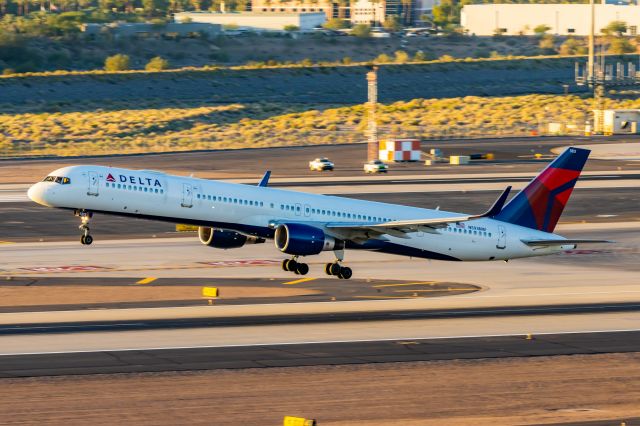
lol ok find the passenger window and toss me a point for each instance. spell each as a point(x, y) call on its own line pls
point(146, 190)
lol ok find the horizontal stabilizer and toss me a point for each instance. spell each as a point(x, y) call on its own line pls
point(550, 243)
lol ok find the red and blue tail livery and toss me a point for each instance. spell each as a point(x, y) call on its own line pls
point(540, 204)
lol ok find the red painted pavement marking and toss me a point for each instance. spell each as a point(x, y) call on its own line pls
point(247, 262)
point(64, 268)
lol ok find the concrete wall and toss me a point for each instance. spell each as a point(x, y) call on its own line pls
point(257, 21)
point(484, 19)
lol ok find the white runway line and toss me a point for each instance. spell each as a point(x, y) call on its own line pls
point(317, 333)
point(13, 197)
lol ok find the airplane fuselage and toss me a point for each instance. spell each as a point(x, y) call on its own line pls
point(254, 210)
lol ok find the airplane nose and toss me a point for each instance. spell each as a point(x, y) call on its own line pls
point(37, 193)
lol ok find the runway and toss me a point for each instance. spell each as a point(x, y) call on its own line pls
point(139, 360)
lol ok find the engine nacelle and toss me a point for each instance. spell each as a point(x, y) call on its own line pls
point(303, 240)
point(223, 239)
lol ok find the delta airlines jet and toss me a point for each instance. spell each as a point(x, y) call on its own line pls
point(231, 215)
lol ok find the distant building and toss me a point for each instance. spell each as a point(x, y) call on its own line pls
point(367, 12)
point(563, 19)
point(329, 8)
point(375, 12)
point(265, 21)
point(143, 29)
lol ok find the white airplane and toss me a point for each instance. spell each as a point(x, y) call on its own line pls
point(231, 215)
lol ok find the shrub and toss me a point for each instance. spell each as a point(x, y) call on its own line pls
point(291, 28)
point(157, 64)
point(401, 57)
point(541, 29)
point(336, 24)
point(382, 58)
point(361, 30)
point(117, 62)
point(621, 45)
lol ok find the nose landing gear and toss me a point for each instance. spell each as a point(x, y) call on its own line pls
point(85, 217)
point(292, 265)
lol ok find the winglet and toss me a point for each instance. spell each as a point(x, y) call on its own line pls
point(265, 179)
point(499, 204)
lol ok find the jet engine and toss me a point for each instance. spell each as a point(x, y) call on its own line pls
point(303, 240)
point(223, 239)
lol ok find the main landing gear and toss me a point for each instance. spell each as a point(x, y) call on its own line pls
point(335, 268)
point(85, 217)
point(342, 272)
point(292, 265)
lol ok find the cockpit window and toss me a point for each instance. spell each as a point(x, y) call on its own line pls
point(58, 179)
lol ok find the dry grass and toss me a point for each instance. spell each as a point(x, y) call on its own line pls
point(152, 129)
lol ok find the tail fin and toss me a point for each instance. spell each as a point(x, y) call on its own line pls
point(541, 203)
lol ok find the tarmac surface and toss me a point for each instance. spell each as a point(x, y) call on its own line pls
point(511, 155)
point(584, 301)
point(314, 354)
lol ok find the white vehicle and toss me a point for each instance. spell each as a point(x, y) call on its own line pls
point(376, 166)
point(321, 164)
point(300, 224)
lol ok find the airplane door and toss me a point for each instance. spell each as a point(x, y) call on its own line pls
point(298, 209)
point(187, 195)
point(502, 237)
point(94, 181)
point(307, 210)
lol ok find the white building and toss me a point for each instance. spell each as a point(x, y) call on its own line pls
point(367, 12)
point(563, 19)
point(256, 20)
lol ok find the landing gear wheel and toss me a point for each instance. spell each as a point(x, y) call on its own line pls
point(335, 269)
point(302, 268)
point(86, 239)
point(345, 273)
point(291, 265)
point(327, 268)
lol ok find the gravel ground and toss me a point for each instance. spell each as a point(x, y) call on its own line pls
point(342, 85)
point(473, 392)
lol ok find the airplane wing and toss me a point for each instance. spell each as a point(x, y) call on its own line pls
point(550, 243)
point(399, 228)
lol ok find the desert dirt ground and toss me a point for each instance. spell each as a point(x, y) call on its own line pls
point(505, 391)
point(80, 294)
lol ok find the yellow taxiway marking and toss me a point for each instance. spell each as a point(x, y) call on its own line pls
point(406, 284)
point(435, 289)
point(7, 242)
point(147, 280)
point(300, 281)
